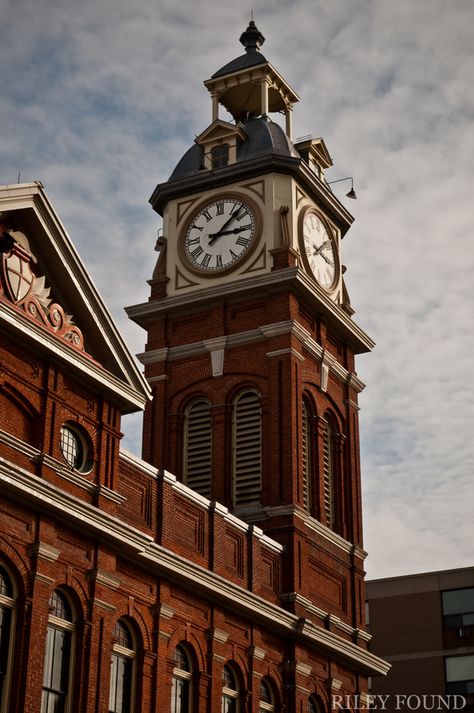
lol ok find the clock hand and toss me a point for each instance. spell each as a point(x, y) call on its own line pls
point(213, 236)
point(317, 251)
point(220, 232)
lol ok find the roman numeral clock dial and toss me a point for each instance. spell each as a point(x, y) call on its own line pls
point(319, 250)
point(219, 236)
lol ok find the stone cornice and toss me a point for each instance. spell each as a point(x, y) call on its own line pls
point(266, 331)
point(290, 278)
point(140, 546)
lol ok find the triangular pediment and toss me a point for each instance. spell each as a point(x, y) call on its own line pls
point(220, 130)
point(47, 296)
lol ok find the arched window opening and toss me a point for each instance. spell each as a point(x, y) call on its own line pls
point(314, 706)
point(181, 691)
point(122, 669)
point(7, 611)
point(329, 475)
point(267, 697)
point(220, 156)
point(247, 449)
point(307, 453)
point(197, 460)
point(230, 691)
point(57, 672)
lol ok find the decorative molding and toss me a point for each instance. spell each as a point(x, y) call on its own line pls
point(255, 652)
point(43, 578)
point(165, 611)
point(335, 684)
point(106, 579)
point(110, 494)
point(216, 634)
point(43, 551)
point(303, 668)
point(257, 187)
point(156, 379)
point(104, 605)
point(216, 347)
point(265, 331)
point(181, 281)
point(259, 262)
point(285, 352)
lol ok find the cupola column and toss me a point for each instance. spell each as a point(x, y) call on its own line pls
point(215, 107)
point(264, 96)
point(289, 121)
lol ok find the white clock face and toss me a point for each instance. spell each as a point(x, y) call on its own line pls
point(219, 235)
point(320, 250)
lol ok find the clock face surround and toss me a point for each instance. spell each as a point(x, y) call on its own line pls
point(221, 234)
point(319, 249)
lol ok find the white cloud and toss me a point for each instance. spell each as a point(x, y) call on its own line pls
point(102, 98)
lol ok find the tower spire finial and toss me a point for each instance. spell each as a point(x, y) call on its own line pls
point(252, 38)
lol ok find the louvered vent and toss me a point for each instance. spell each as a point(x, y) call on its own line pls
point(328, 476)
point(247, 437)
point(306, 448)
point(198, 447)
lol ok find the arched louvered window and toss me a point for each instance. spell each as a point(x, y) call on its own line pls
point(197, 458)
point(247, 449)
point(306, 446)
point(7, 611)
point(329, 475)
point(58, 657)
point(122, 670)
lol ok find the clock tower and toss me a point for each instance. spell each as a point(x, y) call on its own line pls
point(251, 343)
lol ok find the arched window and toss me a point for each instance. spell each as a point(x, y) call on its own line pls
point(7, 610)
point(267, 697)
point(220, 156)
point(329, 475)
point(307, 454)
point(181, 690)
point(230, 691)
point(197, 456)
point(122, 669)
point(57, 673)
point(314, 705)
point(247, 449)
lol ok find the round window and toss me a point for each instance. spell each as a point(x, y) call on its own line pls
point(75, 449)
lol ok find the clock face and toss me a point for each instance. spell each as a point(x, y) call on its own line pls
point(320, 250)
point(219, 235)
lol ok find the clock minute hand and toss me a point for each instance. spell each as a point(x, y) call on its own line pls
point(318, 251)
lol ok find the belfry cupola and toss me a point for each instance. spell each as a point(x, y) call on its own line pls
point(249, 87)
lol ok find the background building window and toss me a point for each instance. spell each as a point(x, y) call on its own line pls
point(58, 656)
point(458, 608)
point(460, 675)
point(122, 670)
point(230, 691)
point(197, 460)
point(7, 605)
point(247, 449)
point(181, 693)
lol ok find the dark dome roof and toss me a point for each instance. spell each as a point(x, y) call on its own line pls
point(264, 138)
point(243, 62)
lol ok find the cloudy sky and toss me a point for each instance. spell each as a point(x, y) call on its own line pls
point(100, 98)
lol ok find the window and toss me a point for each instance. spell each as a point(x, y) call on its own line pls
point(122, 670)
point(247, 456)
point(181, 693)
point(460, 675)
point(198, 447)
point(230, 691)
point(329, 475)
point(307, 456)
point(220, 156)
point(314, 705)
point(58, 656)
point(7, 608)
point(267, 698)
point(75, 448)
point(458, 608)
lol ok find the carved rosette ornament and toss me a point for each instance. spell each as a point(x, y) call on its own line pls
point(21, 285)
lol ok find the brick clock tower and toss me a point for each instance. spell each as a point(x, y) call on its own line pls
point(224, 570)
point(250, 356)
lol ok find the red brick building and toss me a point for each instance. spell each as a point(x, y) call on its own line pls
point(224, 572)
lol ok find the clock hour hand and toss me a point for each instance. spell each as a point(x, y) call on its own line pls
point(318, 251)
